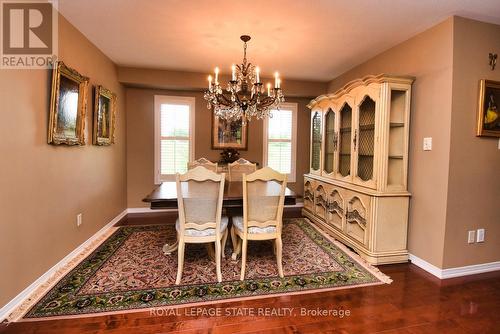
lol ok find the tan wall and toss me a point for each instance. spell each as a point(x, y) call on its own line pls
point(140, 139)
point(428, 57)
point(44, 187)
point(192, 81)
point(474, 182)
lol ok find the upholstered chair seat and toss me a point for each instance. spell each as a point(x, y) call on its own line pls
point(192, 232)
point(238, 223)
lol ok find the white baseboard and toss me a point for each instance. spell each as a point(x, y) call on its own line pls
point(21, 297)
point(148, 210)
point(454, 272)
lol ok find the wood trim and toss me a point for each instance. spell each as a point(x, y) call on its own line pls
point(454, 272)
point(361, 189)
point(381, 78)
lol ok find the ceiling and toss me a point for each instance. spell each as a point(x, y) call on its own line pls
point(302, 39)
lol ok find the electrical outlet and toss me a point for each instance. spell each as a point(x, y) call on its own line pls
point(480, 235)
point(472, 237)
point(79, 220)
point(428, 144)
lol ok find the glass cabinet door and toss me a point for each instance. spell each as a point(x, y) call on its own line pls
point(344, 141)
point(364, 139)
point(330, 142)
point(316, 141)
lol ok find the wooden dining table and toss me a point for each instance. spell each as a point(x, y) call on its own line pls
point(165, 197)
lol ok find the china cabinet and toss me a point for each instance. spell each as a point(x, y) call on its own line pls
point(356, 189)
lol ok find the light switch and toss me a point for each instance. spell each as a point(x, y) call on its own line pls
point(480, 235)
point(428, 144)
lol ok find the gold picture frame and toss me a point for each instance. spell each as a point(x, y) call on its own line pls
point(229, 134)
point(104, 116)
point(68, 105)
point(488, 114)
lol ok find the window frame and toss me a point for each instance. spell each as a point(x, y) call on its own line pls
point(168, 99)
point(293, 171)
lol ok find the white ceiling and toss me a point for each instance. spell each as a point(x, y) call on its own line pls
point(302, 39)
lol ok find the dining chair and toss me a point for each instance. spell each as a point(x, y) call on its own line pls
point(203, 162)
point(240, 167)
point(263, 200)
point(199, 199)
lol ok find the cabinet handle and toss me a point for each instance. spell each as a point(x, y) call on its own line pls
point(355, 138)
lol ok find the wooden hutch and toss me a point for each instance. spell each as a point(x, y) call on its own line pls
point(356, 189)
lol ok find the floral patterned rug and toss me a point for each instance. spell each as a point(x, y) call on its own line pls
point(129, 271)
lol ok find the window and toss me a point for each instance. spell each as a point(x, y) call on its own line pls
point(280, 140)
point(174, 135)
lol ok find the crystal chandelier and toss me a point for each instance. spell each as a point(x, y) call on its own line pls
point(244, 97)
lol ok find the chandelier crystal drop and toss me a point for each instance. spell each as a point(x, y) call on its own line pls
point(245, 96)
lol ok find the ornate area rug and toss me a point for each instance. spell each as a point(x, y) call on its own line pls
point(129, 271)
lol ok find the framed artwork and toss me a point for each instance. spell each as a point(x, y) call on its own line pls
point(488, 115)
point(68, 104)
point(229, 134)
point(104, 116)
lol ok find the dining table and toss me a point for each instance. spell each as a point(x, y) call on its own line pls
point(164, 196)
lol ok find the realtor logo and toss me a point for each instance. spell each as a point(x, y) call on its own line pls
point(29, 34)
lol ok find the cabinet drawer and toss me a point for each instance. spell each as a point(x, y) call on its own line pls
point(309, 194)
point(357, 216)
point(320, 200)
point(336, 208)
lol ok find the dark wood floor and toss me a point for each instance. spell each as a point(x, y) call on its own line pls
point(416, 302)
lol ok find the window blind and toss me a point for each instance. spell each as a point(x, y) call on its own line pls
point(174, 138)
point(279, 141)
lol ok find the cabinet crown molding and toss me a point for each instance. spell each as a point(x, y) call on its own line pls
point(365, 81)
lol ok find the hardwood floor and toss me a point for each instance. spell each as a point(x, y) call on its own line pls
point(416, 302)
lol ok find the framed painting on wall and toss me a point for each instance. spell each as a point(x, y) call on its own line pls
point(488, 114)
point(68, 104)
point(104, 116)
point(229, 134)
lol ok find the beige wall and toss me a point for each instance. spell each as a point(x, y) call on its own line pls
point(192, 81)
point(428, 57)
point(44, 187)
point(140, 139)
point(474, 182)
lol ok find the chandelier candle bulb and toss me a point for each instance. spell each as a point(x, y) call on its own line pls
point(268, 89)
point(209, 82)
point(257, 75)
point(233, 73)
point(276, 78)
point(216, 75)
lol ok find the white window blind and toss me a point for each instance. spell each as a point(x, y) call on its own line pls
point(174, 118)
point(279, 142)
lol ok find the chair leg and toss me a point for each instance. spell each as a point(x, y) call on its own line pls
point(243, 259)
point(180, 264)
point(279, 255)
point(224, 240)
point(218, 260)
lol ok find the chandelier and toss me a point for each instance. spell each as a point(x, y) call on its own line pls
point(244, 97)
